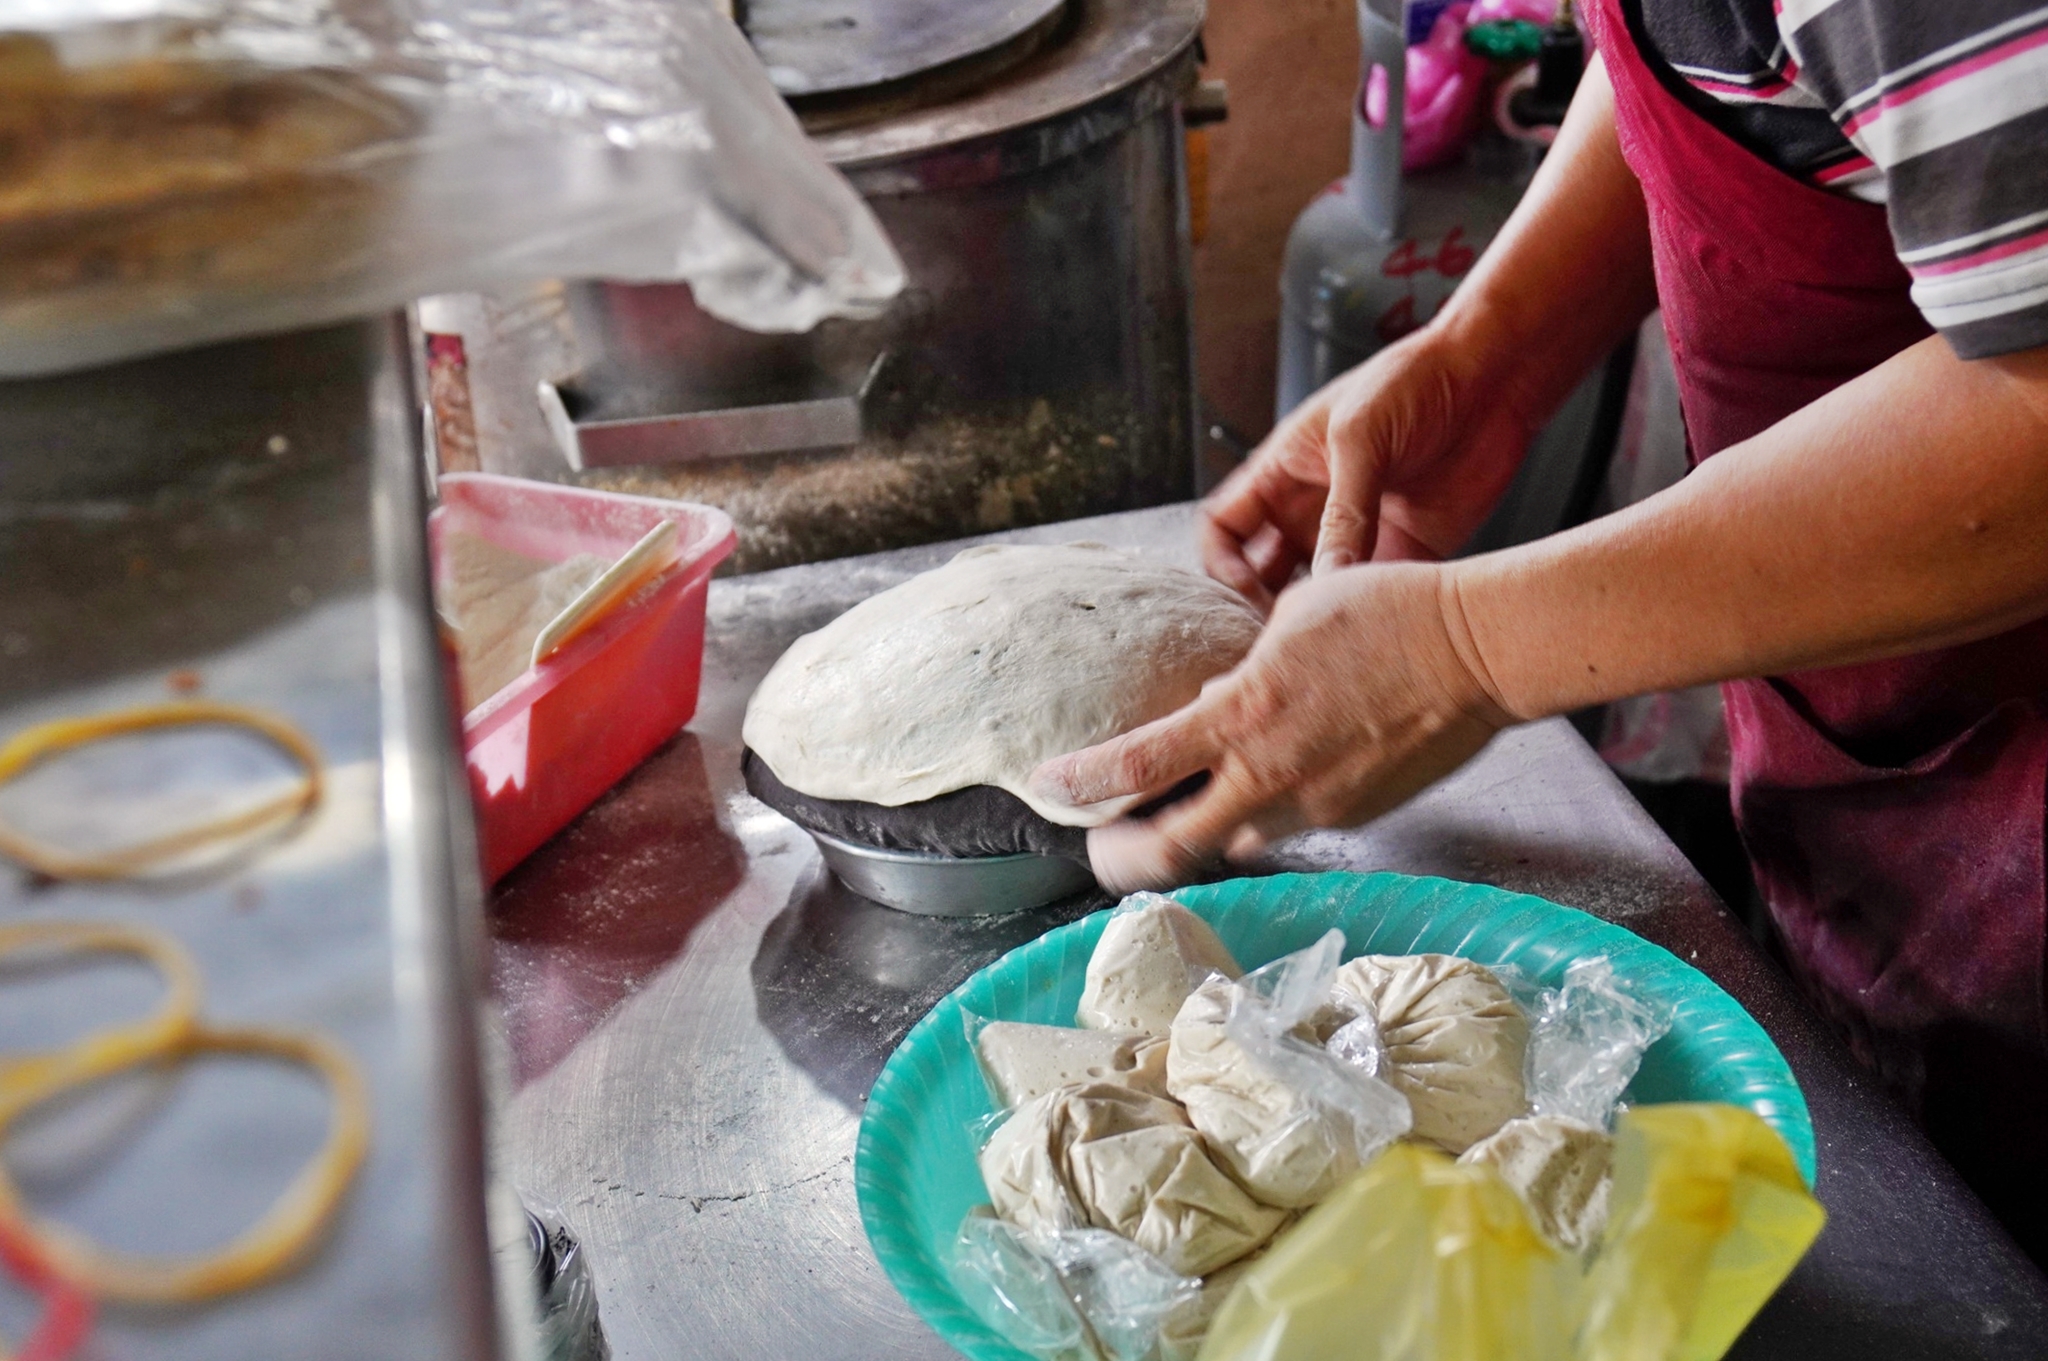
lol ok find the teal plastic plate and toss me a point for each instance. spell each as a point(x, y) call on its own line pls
point(915, 1171)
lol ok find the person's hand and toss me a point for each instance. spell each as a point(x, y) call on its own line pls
point(1402, 457)
point(1362, 690)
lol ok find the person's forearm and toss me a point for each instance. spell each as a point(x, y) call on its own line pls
point(1568, 276)
point(1906, 510)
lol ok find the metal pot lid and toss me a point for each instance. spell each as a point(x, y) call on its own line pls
point(816, 47)
point(1114, 62)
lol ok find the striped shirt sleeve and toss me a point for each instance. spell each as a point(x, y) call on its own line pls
point(1944, 105)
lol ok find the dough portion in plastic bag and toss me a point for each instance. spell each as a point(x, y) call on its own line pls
point(1282, 1146)
point(1454, 1039)
point(1560, 1168)
point(1106, 1157)
point(1152, 954)
point(1023, 1062)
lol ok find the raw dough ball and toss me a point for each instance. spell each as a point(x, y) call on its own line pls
point(1023, 1062)
point(1286, 1150)
point(1106, 1157)
point(1455, 1042)
point(1561, 1169)
point(1145, 965)
point(976, 673)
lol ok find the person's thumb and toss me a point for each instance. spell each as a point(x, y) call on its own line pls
point(1351, 515)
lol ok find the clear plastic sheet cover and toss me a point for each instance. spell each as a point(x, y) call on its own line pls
point(1345, 1094)
point(1586, 1040)
point(189, 172)
point(1065, 1296)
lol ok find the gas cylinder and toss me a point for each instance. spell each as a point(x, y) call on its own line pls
point(1374, 256)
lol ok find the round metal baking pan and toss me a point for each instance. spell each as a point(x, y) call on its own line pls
point(945, 886)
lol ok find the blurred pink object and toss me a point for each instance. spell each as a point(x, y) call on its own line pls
point(1445, 81)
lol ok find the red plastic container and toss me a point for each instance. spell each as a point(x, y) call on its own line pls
point(542, 749)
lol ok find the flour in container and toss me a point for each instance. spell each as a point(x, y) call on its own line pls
point(498, 602)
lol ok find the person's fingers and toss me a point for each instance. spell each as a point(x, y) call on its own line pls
point(1274, 558)
point(1245, 844)
point(1168, 849)
point(1147, 760)
point(1350, 520)
point(1124, 858)
point(1224, 558)
point(1395, 544)
point(1237, 508)
point(1283, 480)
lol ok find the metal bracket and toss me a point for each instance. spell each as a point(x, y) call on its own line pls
point(694, 436)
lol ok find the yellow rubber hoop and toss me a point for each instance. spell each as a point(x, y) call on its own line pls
point(33, 745)
point(24, 1077)
point(270, 1245)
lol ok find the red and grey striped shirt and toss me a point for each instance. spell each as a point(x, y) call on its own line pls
point(1936, 108)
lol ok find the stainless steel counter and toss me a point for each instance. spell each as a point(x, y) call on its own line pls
point(246, 521)
point(696, 1012)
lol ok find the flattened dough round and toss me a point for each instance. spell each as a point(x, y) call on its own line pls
point(975, 673)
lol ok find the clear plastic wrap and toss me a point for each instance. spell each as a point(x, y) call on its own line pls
point(183, 171)
point(1586, 1040)
point(1359, 1043)
point(538, 1247)
point(1073, 1295)
point(1272, 1007)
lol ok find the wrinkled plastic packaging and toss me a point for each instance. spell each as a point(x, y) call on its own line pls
point(1423, 1259)
point(1416, 1257)
point(1586, 1041)
point(1346, 1098)
point(186, 171)
point(563, 1295)
point(1073, 1295)
point(1709, 1216)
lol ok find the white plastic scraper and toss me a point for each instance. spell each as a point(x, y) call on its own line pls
point(654, 554)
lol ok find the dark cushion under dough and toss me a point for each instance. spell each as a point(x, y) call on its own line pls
point(980, 820)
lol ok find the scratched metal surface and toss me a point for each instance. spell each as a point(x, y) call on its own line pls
point(245, 519)
point(696, 1012)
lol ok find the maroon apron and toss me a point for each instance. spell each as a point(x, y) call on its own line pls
point(1893, 811)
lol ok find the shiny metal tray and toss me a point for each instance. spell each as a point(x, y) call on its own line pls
point(945, 886)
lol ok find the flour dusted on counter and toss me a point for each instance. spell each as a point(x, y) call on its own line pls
point(499, 601)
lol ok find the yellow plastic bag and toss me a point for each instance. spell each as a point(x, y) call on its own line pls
point(1413, 1259)
point(1418, 1258)
point(1709, 1217)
